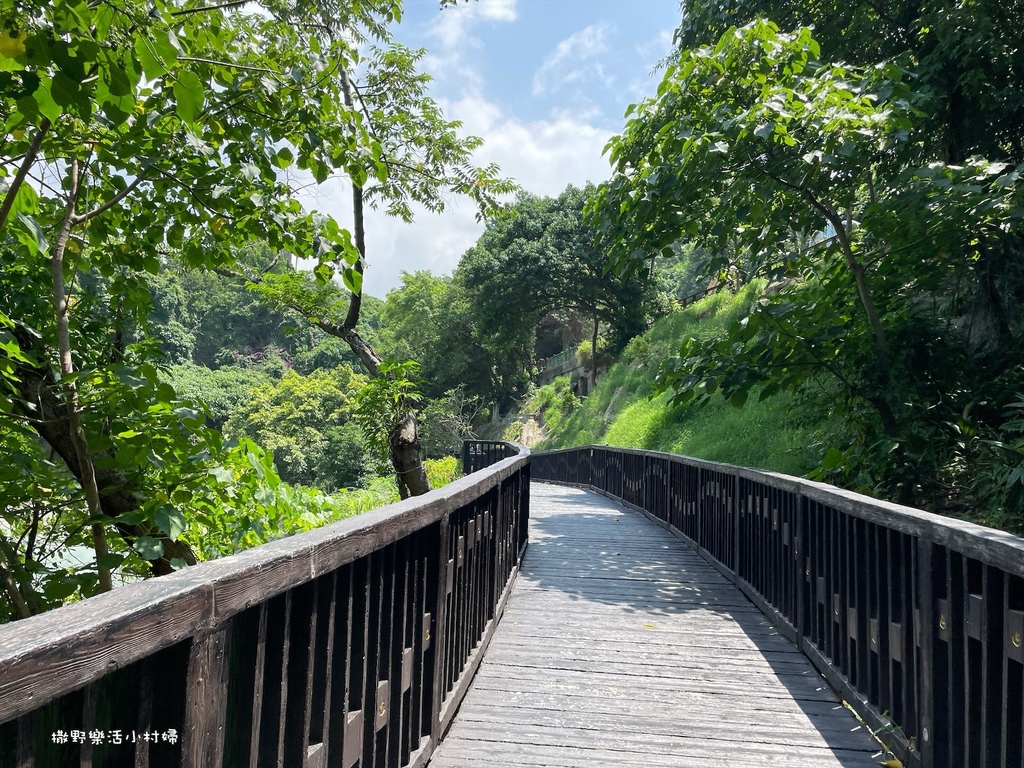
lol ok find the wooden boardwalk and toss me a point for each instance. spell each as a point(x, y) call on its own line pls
point(621, 647)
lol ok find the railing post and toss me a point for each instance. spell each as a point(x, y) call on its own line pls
point(440, 630)
point(736, 527)
point(799, 568)
point(698, 524)
point(207, 700)
point(925, 678)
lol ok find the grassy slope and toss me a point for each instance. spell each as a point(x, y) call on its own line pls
point(768, 434)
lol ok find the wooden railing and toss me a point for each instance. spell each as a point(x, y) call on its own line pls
point(479, 454)
point(916, 619)
point(693, 298)
point(350, 645)
point(556, 360)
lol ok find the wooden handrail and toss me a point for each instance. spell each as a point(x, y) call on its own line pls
point(480, 454)
point(917, 619)
point(348, 645)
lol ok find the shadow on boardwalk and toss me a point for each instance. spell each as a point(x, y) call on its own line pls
point(620, 646)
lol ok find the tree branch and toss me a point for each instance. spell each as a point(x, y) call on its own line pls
point(84, 217)
point(208, 8)
point(243, 67)
point(67, 369)
point(26, 165)
point(9, 562)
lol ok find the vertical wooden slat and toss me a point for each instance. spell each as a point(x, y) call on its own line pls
point(378, 682)
point(340, 667)
point(297, 681)
point(203, 745)
point(88, 723)
point(25, 757)
point(274, 697)
point(320, 700)
point(259, 681)
point(993, 690)
point(144, 717)
point(801, 567)
point(371, 654)
point(925, 624)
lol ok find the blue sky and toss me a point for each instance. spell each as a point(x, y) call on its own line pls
point(545, 84)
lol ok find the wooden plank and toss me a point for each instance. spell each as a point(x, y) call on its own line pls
point(203, 737)
point(636, 749)
point(710, 725)
point(613, 652)
point(604, 700)
point(466, 753)
point(145, 715)
point(259, 683)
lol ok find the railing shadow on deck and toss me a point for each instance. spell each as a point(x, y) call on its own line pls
point(351, 645)
point(915, 618)
point(669, 580)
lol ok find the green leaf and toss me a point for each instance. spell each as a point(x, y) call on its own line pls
point(170, 520)
point(353, 280)
point(284, 158)
point(833, 458)
point(266, 496)
point(149, 548)
point(110, 561)
point(32, 235)
point(222, 474)
point(189, 95)
point(149, 58)
point(68, 93)
point(323, 273)
point(60, 588)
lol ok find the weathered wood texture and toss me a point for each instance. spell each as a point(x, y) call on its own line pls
point(915, 618)
point(346, 646)
point(620, 646)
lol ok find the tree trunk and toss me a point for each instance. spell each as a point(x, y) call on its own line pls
point(593, 357)
point(404, 449)
point(403, 439)
point(41, 406)
point(87, 475)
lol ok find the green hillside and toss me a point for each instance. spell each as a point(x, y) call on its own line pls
point(770, 434)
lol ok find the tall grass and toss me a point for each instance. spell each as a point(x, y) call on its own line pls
point(380, 491)
point(623, 411)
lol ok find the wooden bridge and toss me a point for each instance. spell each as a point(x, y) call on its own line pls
point(701, 615)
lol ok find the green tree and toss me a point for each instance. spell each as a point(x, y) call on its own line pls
point(756, 143)
point(223, 390)
point(306, 421)
point(147, 131)
point(417, 157)
point(540, 257)
point(968, 73)
point(429, 319)
point(211, 320)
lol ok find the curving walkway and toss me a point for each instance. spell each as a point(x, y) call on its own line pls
point(621, 647)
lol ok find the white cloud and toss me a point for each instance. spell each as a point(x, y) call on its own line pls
point(453, 31)
point(572, 60)
point(653, 50)
point(543, 156)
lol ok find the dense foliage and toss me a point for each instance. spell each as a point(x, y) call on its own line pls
point(859, 188)
point(173, 388)
point(149, 213)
